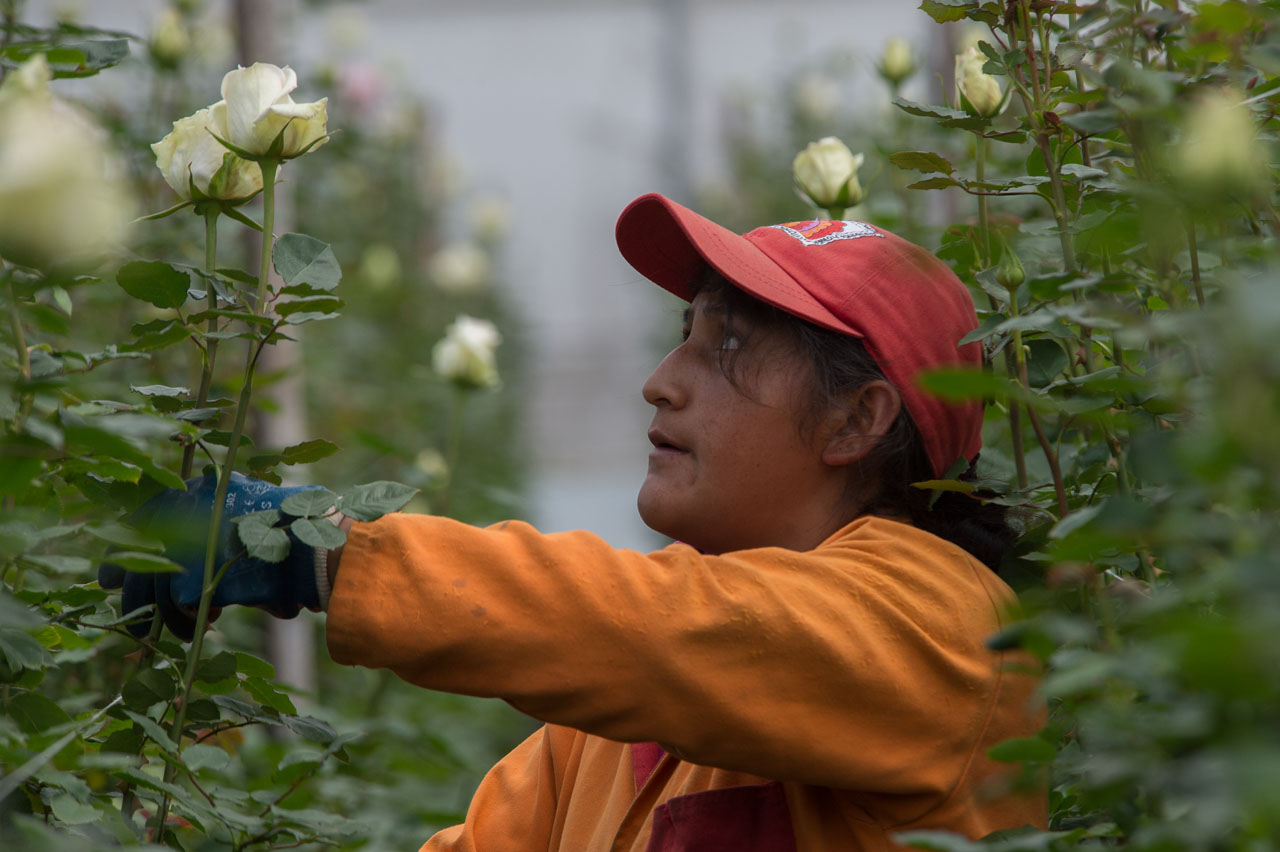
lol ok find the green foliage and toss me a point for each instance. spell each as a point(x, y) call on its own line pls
point(1131, 383)
point(122, 381)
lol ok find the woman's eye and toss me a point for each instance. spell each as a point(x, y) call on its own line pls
point(730, 341)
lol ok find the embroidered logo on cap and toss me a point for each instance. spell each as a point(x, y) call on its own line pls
point(818, 232)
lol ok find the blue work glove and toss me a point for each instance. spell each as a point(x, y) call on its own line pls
point(181, 520)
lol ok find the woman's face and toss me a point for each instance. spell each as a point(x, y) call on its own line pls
point(730, 468)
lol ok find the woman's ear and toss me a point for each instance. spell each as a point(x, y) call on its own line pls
point(868, 413)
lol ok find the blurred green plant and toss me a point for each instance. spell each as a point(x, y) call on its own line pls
point(1117, 227)
point(202, 745)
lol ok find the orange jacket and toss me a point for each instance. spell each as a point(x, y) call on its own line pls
point(841, 695)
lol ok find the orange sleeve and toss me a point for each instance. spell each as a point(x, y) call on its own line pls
point(514, 807)
point(859, 665)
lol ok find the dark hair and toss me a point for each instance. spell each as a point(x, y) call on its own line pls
point(841, 363)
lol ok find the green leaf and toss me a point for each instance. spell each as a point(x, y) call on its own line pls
point(308, 451)
point(268, 695)
point(216, 668)
point(318, 533)
point(301, 259)
point(146, 689)
point(373, 500)
point(310, 503)
point(143, 563)
point(321, 304)
point(309, 316)
point(203, 710)
point(157, 334)
point(955, 485)
point(94, 56)
point(161, 284)
point(35, 713)
point(1083, 172)
point(935, 183)
point(71, 811)
point(1093, 122)
point(311, 728)
point(153, 731)
point(946, 11)
point(60, 564)
point(968, 384)
point(261, 537)
point(984, 330)
point(252, 666)
point(159, 390)
point(151, 782)
point(199, 756)
point(296, 765)
point(928, 111)
point(125, 741)
point(937, 841)
point(922, 161)
point(1045, 362)
point(1023, 750)
point(122, 536)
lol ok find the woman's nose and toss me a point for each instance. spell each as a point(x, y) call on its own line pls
point(664, 387)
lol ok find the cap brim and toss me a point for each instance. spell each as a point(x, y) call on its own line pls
point(671, 246)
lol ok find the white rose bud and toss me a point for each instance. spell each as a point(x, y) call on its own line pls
point(1218, 151)
point(63, 196)
point(976, 92)
point(897, 63)
point(460, 268)
point(827, 172)
point(170, 40)
point(465, 356)
point(257, 115)
point(190, 156)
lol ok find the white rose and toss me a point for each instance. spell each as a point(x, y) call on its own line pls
point(465, 356)
point(256, 113)
point(1218, 150)
point(979, 89)
point(63, 195)
point(191, 155)
point(827, 172)
point(460, 268)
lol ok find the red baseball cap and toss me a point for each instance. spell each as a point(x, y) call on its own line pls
point(907, 306)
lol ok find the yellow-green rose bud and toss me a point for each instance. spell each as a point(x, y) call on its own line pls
point(1219, 152)
point(191, 157)
point(827, 172)
point(64, 200)
point(976, 91)
point(1010, 273)
point(258, 116)
point(170, 40)
point(465, 356)
point(897, 63)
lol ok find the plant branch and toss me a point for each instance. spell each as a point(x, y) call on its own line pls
point(211, 349)
point(224, 479)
